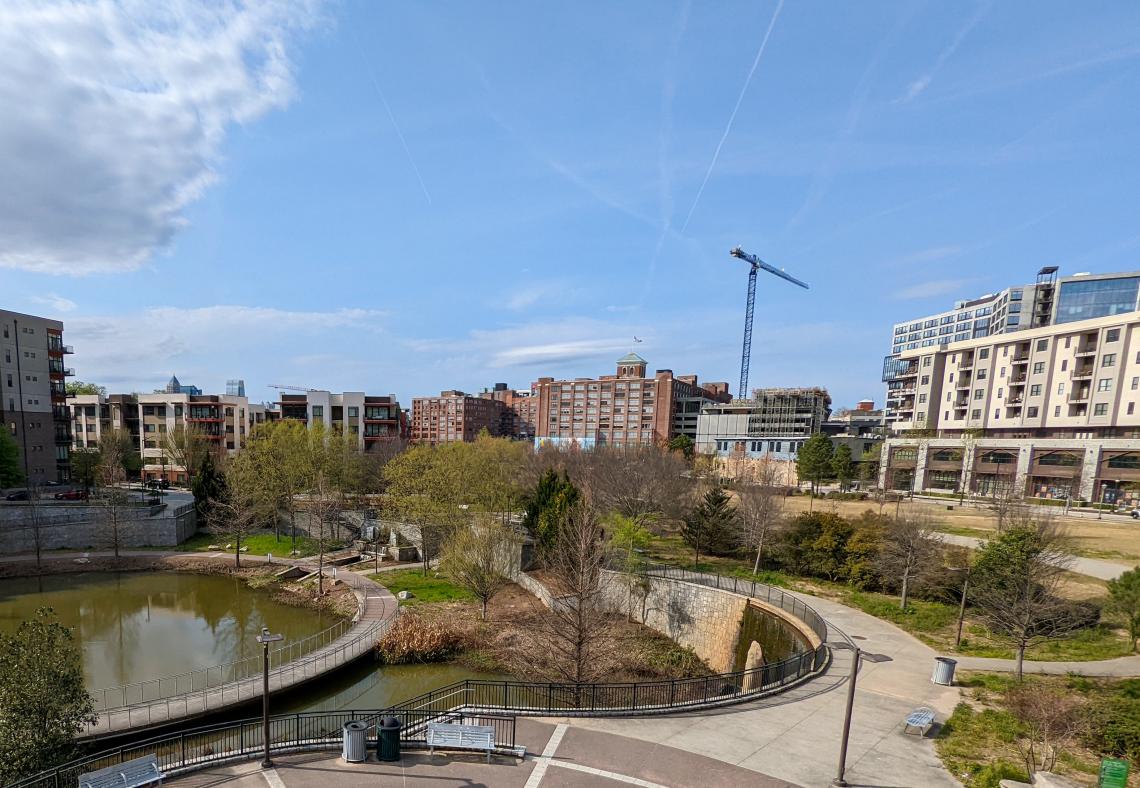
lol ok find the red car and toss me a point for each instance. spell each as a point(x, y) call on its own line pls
point(71, 495)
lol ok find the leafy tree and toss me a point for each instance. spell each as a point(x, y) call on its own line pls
point(1124, 601)
point(683, 444)
point(869, 463)
point(76, 387)
point(823, 544)
point(207, 484)
point(1016, 582)
point(841, 466)
point(187, 448)
point(548, 504)
point(628, 538)
point(910, 553)
point(116, 454)
point(814, 460)
point(44, 704)
point(85, 467)
point(481, 558)
point(239, 509)
point(11, 473)
point(427, 486)
point(713, 525)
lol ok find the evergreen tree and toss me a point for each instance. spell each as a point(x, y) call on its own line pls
point(11, 473)
point(713, 526)
point(683, 444)
point(44, 704)
point(548, 504)
point(841, 466)
point(813, 462)
point(208, 485)
point(1124, 601)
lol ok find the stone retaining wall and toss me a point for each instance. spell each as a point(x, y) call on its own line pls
point(79, 527)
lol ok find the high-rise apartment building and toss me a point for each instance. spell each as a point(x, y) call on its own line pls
point(33, 394)
point(455, 416)
point(1054, 410)
point(624, 409)
point(373, 419)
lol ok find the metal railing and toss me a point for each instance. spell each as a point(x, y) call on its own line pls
point(198, 747)
point(213, 676)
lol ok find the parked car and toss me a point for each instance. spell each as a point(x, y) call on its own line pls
point(157, 484)
point(71, 495)
point(19, 495)
point(1135, 514)
point(53, 483)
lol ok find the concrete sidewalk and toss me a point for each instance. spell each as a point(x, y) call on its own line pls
point(795, 735)
point(1121, 667)
point(1092, 567)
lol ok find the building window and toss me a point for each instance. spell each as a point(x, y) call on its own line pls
point(1038, 367)
point(1112, 335)
point(318, 411)
point(1060, 388)
point(976, 414)
point(981, 374)
point(925, 380)
point(997, 414)
point(1135, 383)
point(1064, 364)
point(1001, 372)
point(984, 353)
point(1100, 409)
point(926, 361)
point(1109, 360)
point(1057, 411)
point(1035, 390)
point(999, 393)
point(1031, 412)
point(1131, 407)
point(353, 412)
point(1104, 384)
point(1042, 345)
point(979, 393)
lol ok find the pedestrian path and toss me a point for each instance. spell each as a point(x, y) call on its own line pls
point(1121, 667)
point(1092, 567)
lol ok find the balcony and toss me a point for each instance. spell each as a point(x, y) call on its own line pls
point(1087, 350)
point(1082, 374)
point(1014, 401)
point(1017, 380)
point(1021, 358)
point(1079, 396)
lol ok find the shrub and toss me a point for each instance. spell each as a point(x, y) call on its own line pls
point(822, 544)
point(1114, 727)
point(416, 639)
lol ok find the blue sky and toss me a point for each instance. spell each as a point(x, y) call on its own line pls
point(411, 197)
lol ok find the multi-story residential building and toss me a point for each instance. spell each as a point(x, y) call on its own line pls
point(148, 419)
point(863, 419)
point(519, 411)
point(455, 416)
point(33, 394)
point(624, 409)
point(775, 422)
point(374, 419)
point(1050, 410)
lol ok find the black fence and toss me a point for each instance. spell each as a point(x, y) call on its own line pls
point(481, 702)
point(245, 739)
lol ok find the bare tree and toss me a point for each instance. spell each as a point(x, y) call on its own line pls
point(761, 506)
point(114, 454)
point(482, 558)
point(911, 552)
point(1052, 719)
point(186, 446)
point(574, 642)
point(1008, 503)
point(642, 482)
point(240, 509)
point(1016, 581)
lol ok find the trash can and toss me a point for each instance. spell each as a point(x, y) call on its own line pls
point(355, 748)
point(388, 741)
point(944, 671)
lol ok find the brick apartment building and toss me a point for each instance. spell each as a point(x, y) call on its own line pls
point(519, 411)
point(33, 396)
point(623, 409)
point(455, 416)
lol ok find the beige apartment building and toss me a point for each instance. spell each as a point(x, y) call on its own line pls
point(1052, 411)
point(372, 419)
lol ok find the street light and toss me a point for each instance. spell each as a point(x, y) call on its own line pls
point(860, 654)
point(265, 638)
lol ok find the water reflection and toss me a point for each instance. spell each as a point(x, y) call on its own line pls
point(136, 626)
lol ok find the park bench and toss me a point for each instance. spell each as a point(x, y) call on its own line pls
point(129, 774)
point(450, 736)
point(921, 719)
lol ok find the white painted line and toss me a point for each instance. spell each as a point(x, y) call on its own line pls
point(621, 778)
point(544, 759)
point(273, 778)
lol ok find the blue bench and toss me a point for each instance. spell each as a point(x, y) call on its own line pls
point(921, 719)
point(450, 736)
point(129, 774)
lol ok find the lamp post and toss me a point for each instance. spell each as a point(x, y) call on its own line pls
point(859, 655)
point(965, 570)
point(265, 638)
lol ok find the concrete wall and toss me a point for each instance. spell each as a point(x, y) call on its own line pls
point(80, 527)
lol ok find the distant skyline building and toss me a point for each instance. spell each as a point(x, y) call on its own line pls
point(455, 416)
point(519, 412)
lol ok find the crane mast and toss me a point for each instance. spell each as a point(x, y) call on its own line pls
point(750, 309)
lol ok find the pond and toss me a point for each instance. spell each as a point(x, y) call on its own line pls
point(137, 626)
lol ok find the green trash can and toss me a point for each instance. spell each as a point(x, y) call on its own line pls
point(388, 739)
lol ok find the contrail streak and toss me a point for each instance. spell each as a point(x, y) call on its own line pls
point(391, 116)
point(732, 117)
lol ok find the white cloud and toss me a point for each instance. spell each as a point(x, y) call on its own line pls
point(56, 302)
point(935, 287)
point(114, 117)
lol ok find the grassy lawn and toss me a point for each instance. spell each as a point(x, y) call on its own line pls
point(433, 588)
point(258, 544)
point(978, 743)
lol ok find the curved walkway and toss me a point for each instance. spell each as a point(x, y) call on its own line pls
point(795, 736)
point(1091, 567)
point(376, 609)
point(1120, 667)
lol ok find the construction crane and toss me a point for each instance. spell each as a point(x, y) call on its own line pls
point(757, 264)
point(281, 387)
